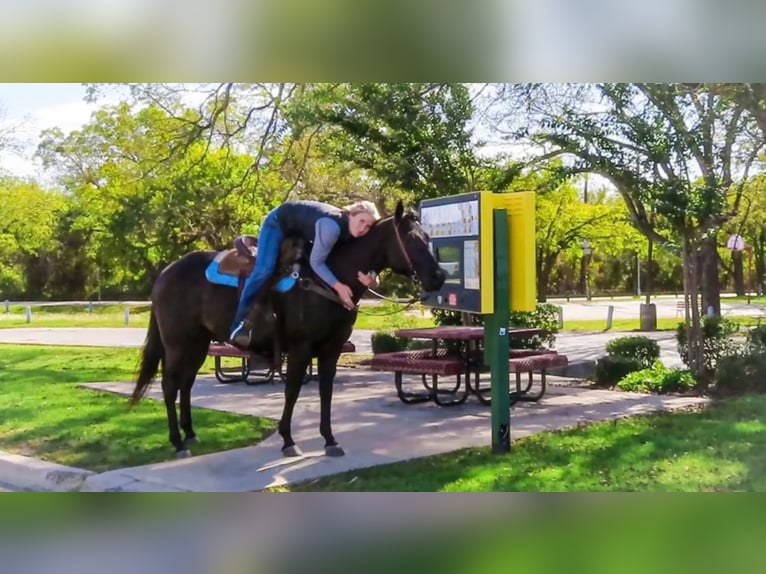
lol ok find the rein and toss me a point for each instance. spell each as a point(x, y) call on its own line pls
point(405, 306)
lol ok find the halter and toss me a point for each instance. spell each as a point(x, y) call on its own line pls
point(413, 274)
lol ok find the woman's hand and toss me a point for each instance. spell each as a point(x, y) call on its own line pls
point(345, 294)
point(367, 279)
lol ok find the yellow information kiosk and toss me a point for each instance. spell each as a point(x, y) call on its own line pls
point(485, 243)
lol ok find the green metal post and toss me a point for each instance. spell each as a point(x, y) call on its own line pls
point(496, 345)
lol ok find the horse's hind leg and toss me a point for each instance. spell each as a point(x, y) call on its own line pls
point(326, 368)
point(297, 363)
point(178, 373)
point(170, 384)
point(194, 357)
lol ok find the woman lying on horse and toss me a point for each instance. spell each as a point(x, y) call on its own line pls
point(319, 224)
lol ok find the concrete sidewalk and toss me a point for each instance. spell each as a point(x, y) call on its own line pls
point(369, 422)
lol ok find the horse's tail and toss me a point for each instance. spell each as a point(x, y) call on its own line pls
point(151, 355)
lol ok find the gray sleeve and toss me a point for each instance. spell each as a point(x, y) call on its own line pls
point(326, 233)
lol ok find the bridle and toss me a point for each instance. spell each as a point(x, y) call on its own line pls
point(412, 273)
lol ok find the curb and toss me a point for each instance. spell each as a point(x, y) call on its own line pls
point(31, 474)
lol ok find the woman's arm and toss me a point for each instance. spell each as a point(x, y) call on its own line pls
point(326, 233)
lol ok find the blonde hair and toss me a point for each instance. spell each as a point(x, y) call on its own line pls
point(367, 207)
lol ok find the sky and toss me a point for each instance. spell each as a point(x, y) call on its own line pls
point(30, 108)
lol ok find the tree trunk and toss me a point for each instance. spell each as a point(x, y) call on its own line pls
point(694, 334)
point(759, 264)
point(545, 264)
point(739, 275)
point(648, 274)
point(711, 284)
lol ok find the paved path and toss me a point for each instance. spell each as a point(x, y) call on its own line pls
point(369, 421)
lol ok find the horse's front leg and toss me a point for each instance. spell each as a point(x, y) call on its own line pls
point(326, 368)
point(297, 363)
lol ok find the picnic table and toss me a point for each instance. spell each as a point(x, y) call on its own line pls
point(463, 360)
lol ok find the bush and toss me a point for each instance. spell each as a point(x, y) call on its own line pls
point(644, 349)
point(741, 372)
point(387, 342)
point(657, 379)
point(545, 317)
point(717, 332)
point(610, 369)
point(756, 338)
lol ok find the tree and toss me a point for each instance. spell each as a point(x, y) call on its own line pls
point(408, 137)
point(671, 150)
point(137, 208)
point(28, 224)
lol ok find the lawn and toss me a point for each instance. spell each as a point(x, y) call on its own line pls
point(385, 316)
point(719, 448)
point(46, 414)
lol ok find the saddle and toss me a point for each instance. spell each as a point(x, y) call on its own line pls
point(232, 266)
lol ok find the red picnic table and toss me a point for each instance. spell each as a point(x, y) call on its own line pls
point(462, 360)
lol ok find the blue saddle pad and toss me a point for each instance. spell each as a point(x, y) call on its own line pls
point(214, 275)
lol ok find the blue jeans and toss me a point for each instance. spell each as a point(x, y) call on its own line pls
point(269, 240)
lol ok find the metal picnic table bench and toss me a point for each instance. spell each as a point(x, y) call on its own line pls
point(463, 360)
point(250, 362)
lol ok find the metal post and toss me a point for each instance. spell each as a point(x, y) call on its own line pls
point(7, 306)
point(609, 315)
point(127, 315)
point(28, 313)
point(496, 345)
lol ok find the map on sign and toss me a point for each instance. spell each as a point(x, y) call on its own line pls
point(471, 264)
point(451, 220)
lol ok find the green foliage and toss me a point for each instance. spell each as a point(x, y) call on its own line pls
point(545, 316)
point(717, 332)
point(756, 338)
point(409, 136)
point(741, 372)
point(387, 342)
point(610, 369)
point(644, 349)
point(657, 379)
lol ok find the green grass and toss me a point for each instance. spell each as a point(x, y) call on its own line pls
point(386, 316)
point(393, 316)
point(663, 323)
point(719, 448)
point(76, 316)
point(46, 414)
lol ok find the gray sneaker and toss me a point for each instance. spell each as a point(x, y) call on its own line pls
point(240, 336)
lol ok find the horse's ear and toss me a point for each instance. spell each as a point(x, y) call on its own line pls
point(399, 211)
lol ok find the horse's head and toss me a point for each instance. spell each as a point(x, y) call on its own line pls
point(407, 251)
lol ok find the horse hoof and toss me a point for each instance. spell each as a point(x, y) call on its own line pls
point(185, 453)
point(334, 450)
point(191, 440)
point(291, 451)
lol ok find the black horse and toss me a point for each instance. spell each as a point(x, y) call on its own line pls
point(188, 312)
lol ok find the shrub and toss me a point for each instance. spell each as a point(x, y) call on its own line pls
point(756, 338)
point(741, 372)
point(644, 349)
point(657, 379)
point(545, 317)
point(717, 332)
point(387, 342)
point(610, 369)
